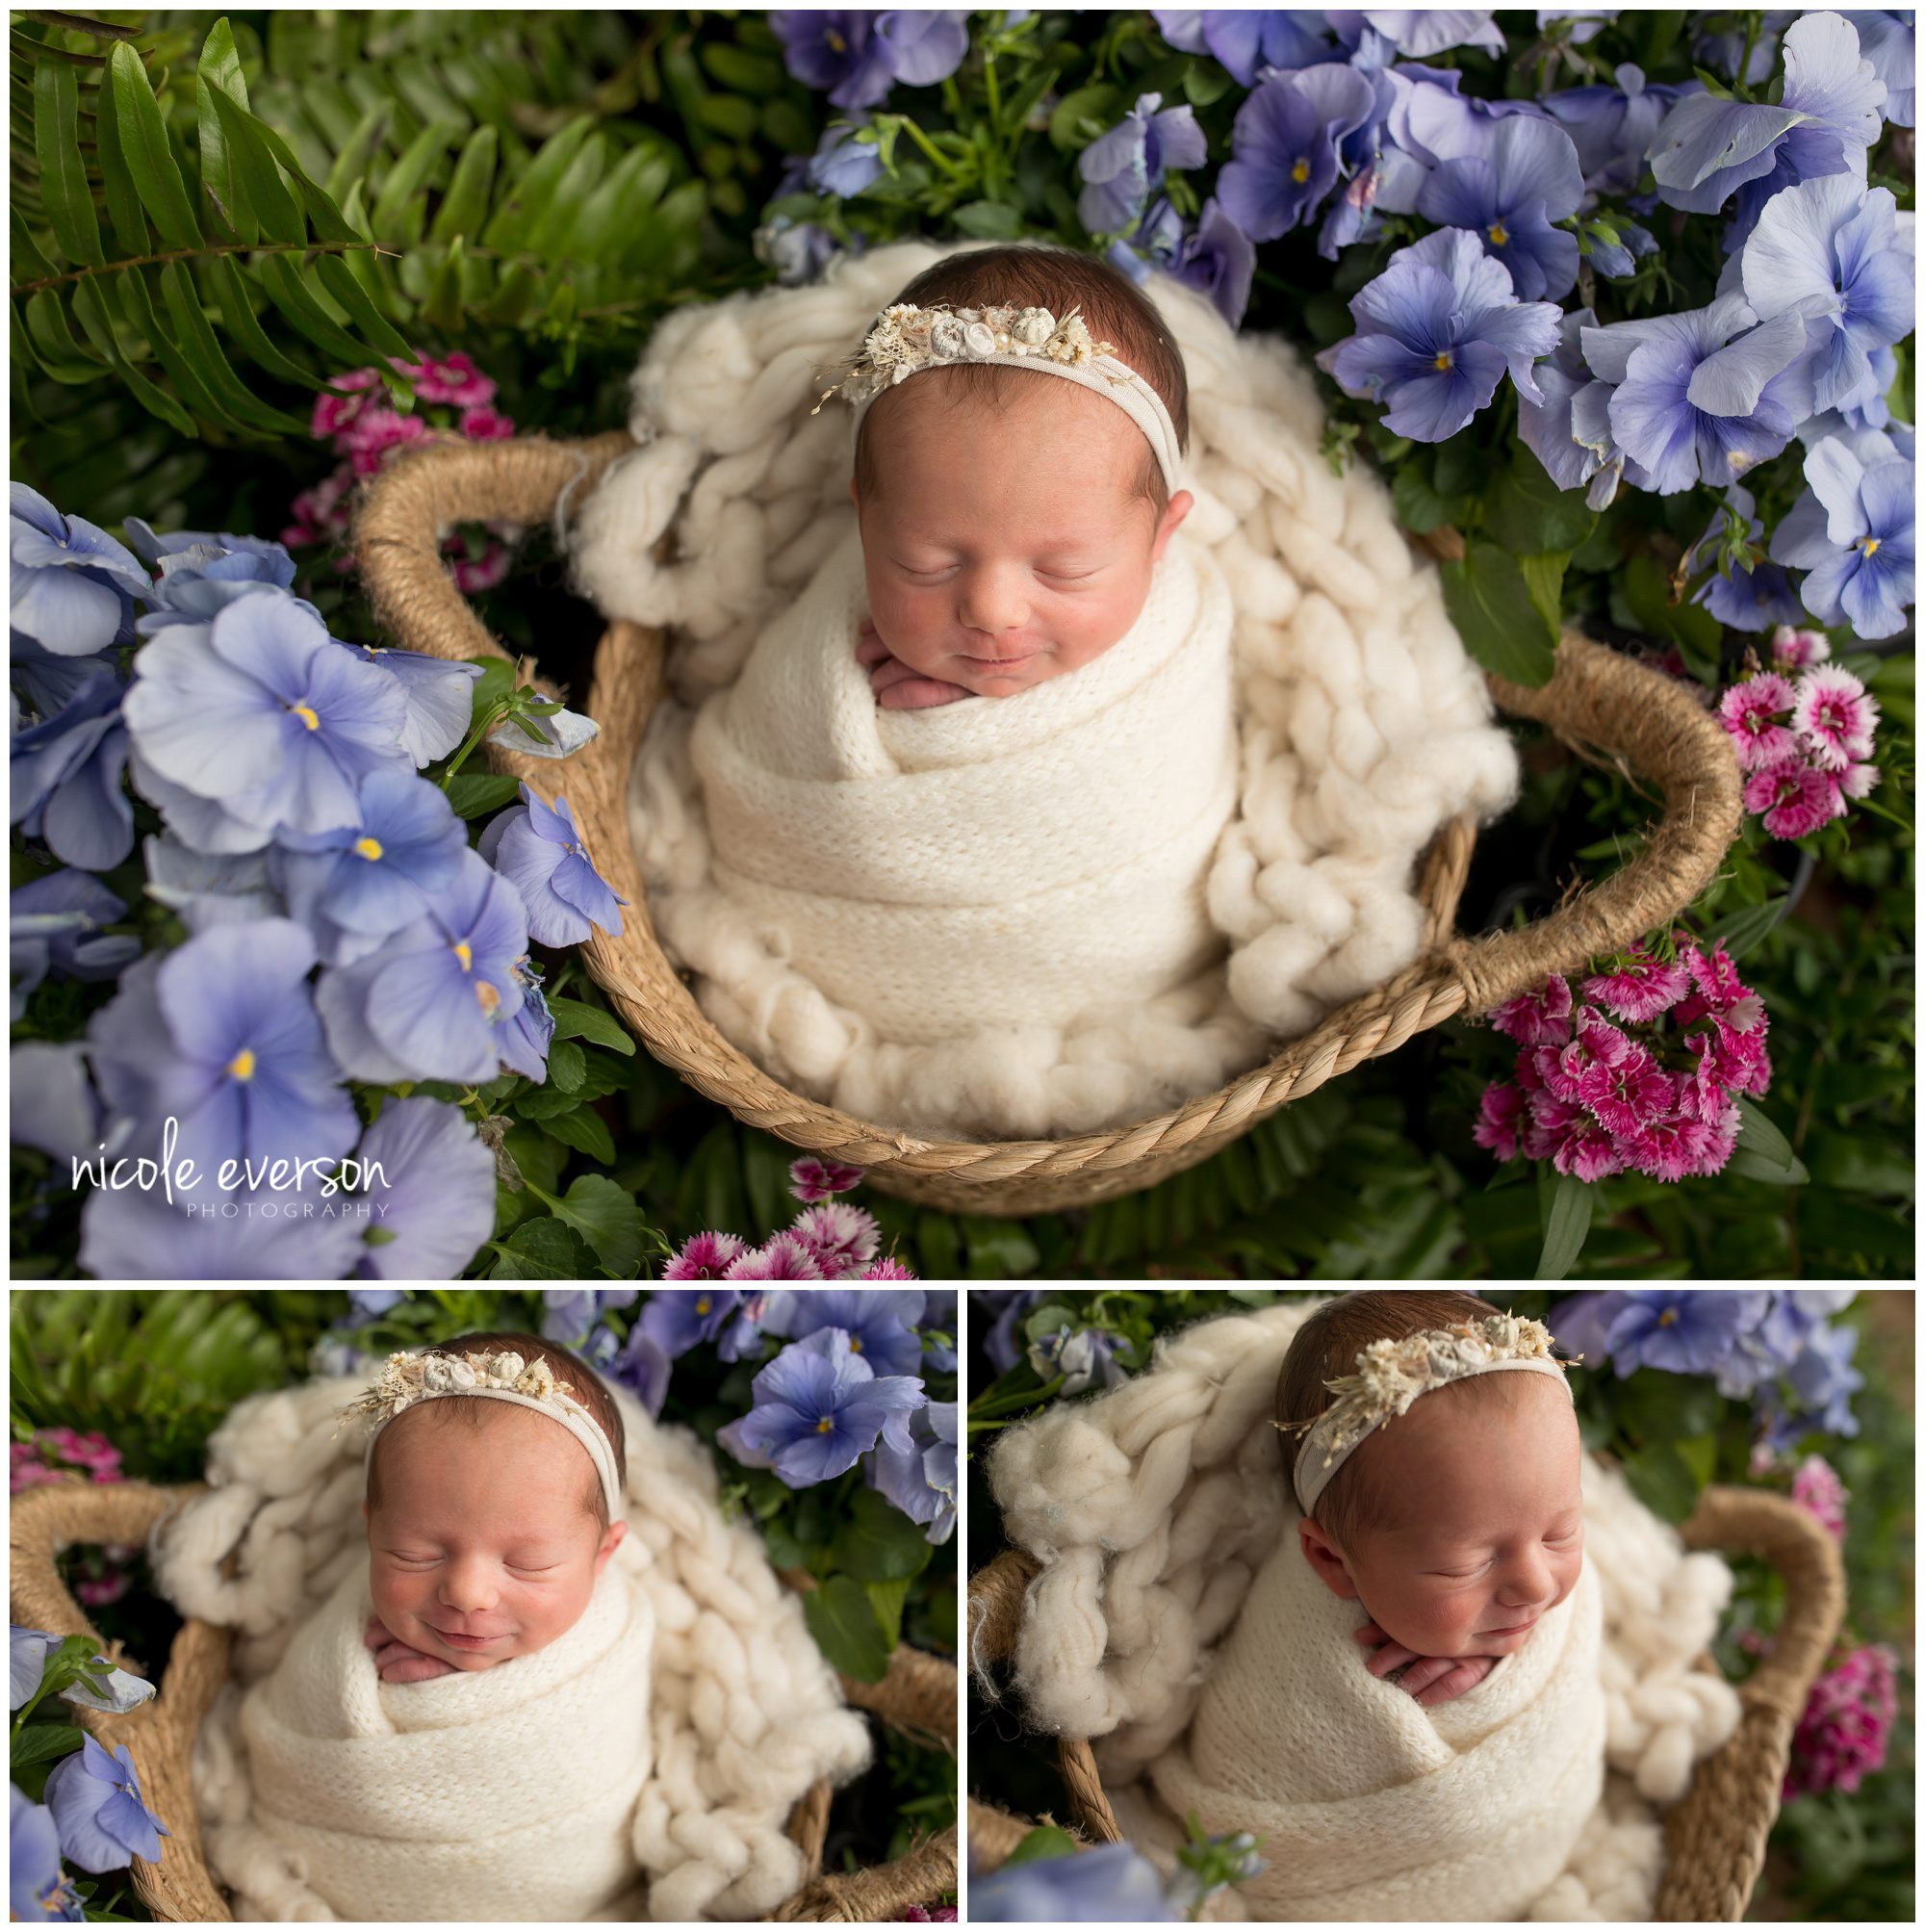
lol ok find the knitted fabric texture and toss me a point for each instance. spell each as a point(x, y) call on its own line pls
point(1152, 1509)
point(744, 1715)
point(930, 872)
point(492, 1794)
point(1362, 725)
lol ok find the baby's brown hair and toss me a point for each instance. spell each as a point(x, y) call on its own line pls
point(1057, 279)
point(582, 1383)
point(1326, 1347)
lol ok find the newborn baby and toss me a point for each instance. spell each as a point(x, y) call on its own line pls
point(1440, 1484)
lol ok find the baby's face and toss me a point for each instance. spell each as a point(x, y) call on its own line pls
point(1488, 1533)
point(1002, 542)
point(481, 1550)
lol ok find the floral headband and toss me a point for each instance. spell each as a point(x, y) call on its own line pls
point(906, 340)
point(1391, 1375)
point(406, 1379)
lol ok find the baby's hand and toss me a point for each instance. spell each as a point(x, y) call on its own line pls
point(396, 1662)
point(896, 686)
point(1430, 1680)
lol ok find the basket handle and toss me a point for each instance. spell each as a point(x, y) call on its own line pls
point(1600, 697)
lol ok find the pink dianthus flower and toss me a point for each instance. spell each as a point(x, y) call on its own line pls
point(782, 1257)
point(1796, 798)
point(1640, 988)
point(1847, 1719)
point(1817, 1489)
point(454, 379)
point(839, 1234)
point(1627, 1094)
point(1540, 1018)
point(703, 1257)
point(377, 430)
point(811, 1179)
point(333, 414)
point(1500, 1118)
point(1754, 713)
point(1834, 718)
point(888, 1270)
point(484, 423)
point(1793, 650)
point(1586, 1152)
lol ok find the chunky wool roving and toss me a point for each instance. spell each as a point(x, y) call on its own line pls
point(740, 1716)
point(1362, 725)
point(1153, 1509)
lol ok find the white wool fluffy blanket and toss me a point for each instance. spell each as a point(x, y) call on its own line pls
point(1362, 726)
point(740, 1714)
point(505, 1793)
point(1154, 1506)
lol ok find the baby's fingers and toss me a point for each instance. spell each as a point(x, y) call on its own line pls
point(1392, 1657)
point(1371, 1633)
point(1458, 1676)
point(1425, 1672)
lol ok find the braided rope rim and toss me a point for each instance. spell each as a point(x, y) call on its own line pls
point(1597, 697)
point(1715, 1835)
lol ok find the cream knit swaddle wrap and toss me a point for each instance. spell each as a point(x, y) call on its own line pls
point(1362, 726)
point(504, 1793)
point(742, 1713)
point(1154, 1506)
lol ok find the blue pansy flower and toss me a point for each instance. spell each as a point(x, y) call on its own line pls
point(817, 1408)
point(364, 1304)
point(95, 1798)
point(1722, 52)
point(742, 1337)
point(1419, 32)
point(221, 1035)
point(842, 165)
point(1853, 532)
point(440, 695)
point(679, 1317)
point(879, 1321)
point(1744, 591)
point(1217, 258)
point(1009, 1305)
point(1436, 332)
point(1709, 149)
point(52, 1104)
point(153, 547)
point(208, 888)
point(641, 1365)
point(1284, 147)
point(799, 251)
point(1889, 40)
point(120, 1691)
point(133, 1233)
point(1824, 1380)
point(197, 582)
point(263, 713)
point(1574, 400)
point(1684, 1331)
point(523, 1039)
point(65, 777)
point(921, 1481)
point(353, 884)
point(1530, 179)
point(539, 847)
point(431, 1002)
point(1121, 169)
point(27, 1660)
point(571, 1314)
point(924, 45)
point(1246, 39)
point(1580, 1325)
point(1080, 1357)
point(1830, 250)
point(54, 926)
point(1613, 127)
point(858, 56)
point(432, 1202)
point(40, 1889)
point(72, 586)
point(1109, 1884)
point(47, 683)
point(1702, 396)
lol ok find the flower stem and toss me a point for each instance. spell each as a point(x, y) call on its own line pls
point(490, 718)
point(934, 153)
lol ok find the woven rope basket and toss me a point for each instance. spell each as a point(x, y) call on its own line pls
point(1714, 1836)
point(1596, 698)
point(918, 1696)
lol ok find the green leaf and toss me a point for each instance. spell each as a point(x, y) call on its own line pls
point(742, 69)
point(473, 794)
point(1747, 928)
point(990, 221)
point(1419, 507)
point(329, 224)
point(1081, 116)
point(1491, 605)
point(575, 1018)
point(877, 1543)
point(1205, 84)
point(1856, 1163)
point(887, 1601)
point(1655, 1405)
point(845, 1626)
point(143, 140)
point(1762, 1152)
point(442, 309)
point(195, 385)
point(1529, 514)
point(123, 202)
point(1842, 1225)
point(726, 113)
point(1565, 1228)
point(518, 292)
point(198, 338)
point(339, 282)
point(605, 1216)
point(359, 150)
point(406, 179)
point(91, 313)
point(566, 1065)
point(238, 318)
point(1044, 1842)
point(26, 264)
point(528, 200)
point(64, 190)
point(38, 1744)
point(219, 70)
point(53, 344)
point(541, 1250)
point(1543, 579)
point(585, 1131)
point(264, 196)
point(287, 293)
point(464, 206)
point(1663, 1480)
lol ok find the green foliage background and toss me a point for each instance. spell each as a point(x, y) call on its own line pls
point(211, 213)
point(1836, 1855)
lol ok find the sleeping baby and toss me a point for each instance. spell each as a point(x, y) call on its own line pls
point(463, 1730)
point(1447, 1768)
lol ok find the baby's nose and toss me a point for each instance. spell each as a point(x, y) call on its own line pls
point(993, 601)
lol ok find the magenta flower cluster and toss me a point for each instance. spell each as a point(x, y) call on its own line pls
point(1816, 1488)
point(1643, 1075)
point(1804, 742)
point(365, 431)
point(830, 1240)
point(49, 1453)
point(1847, 1720)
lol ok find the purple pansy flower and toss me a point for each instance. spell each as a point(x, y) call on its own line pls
point(95, 1798)
point(1855, 532)
point(921, 1481)
point(1702, 396)
point(1419, 32)
point(1285, 147)
point(221, 1035)
point(72, 587)
point(40, 1889)
point(1614, 126)
point(879, 1321)
point(1112, 1884)
point(570, 1314)
point(440, 697)
point(539, 847)
point(842, 165)
point(1244, 40)
point(1121, 169)
point(65, 777)
point(204, 577)
point(523, 1039)
point(1510, 197)
point(1002, 1344)
point(817, 1408)
point(27, 1660)
point(433, 1002)
point(365, 1304)
point(133, 1234)
point(55, 923)
point(1436, 332)
point(1889, 40)
point(858, 55)
point(1550, 429)
point(743, 1336)
point(353, 884)
point(1686, 1331)
point(1217, 258)
point(262, 713)
point(925, 45)
point(642, 1367)
point(1824, 1380)
point(799, 250)
point(1744, 591)
point(679, 1317)
point(433, 1204)
point(52, 1105)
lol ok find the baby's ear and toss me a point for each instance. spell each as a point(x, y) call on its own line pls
point(1175, 511)
point(853, 497)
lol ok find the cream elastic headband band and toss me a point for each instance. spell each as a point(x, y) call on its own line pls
point(1391, 1375)
point(907, 340)
point(406, 1379)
